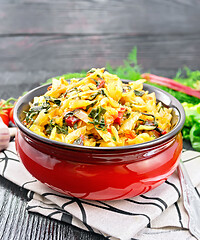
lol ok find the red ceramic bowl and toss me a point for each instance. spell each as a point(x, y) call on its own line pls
point(100, 173)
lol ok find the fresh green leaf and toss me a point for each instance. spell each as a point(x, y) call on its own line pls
point(187, 77)
point(195, 136)
point(132, 57)
point(129, 70)
point(186, 133)
point(192, 114)
point(191, 130)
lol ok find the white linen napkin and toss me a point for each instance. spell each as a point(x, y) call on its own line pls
point(121, 219)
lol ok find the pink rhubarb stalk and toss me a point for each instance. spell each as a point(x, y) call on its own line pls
point(170, 83)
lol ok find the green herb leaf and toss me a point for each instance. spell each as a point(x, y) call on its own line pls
point(91, 105)
point(48, 128)
point(97, 116)
point(195, 136)
point(191, 128)
point(57, 102)
point(91, 71)
point(93, 96)
point(63, 129)
point(139, 93)
point(93, 113)
point(75, 126)
point(95, 80)
point(142, 120)
point(53, 100)
point(102, 92)
point(59, 129)
point(114, 138)
point(128, 114)
point(151, 115)
point(78, 141)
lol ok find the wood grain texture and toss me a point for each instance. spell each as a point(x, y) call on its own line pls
point(27, 61)
point(99, 17)
point(17, 224)
point(74, 53)
point(43, 38)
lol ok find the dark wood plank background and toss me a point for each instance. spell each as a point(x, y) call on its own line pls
point(40, 39)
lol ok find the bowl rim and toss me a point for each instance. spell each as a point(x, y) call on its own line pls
point(174, 103)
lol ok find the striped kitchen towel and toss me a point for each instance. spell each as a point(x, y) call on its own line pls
point(123, 219)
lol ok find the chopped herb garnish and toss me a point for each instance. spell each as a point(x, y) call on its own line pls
point(78, 141)
point(90, 135)
point(75, 126)
point(128, 115)
point(102, 92)
point(49, 127)
point(93, 96)
point(57, 102)
point(97, 115)
point(93, 113)
point(139, 119)
point(91, 71)
point(71, 90)
point(95, 80)
point(63, 129)
point(159, 130)
point(151, 115)
point(101, 124)
point(35, 109)
point(139, 93)
point(150, 123)
point(59, 129)
point(52, 100)
point(99, 76)
point(161, 107)
point(91, 105)
point(114, 138)
point(29, 116)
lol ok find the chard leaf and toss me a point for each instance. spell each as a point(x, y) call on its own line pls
point(97, 116)
point(139, 93)
point(78, 141)
point(91, 105)
point(57, 102)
